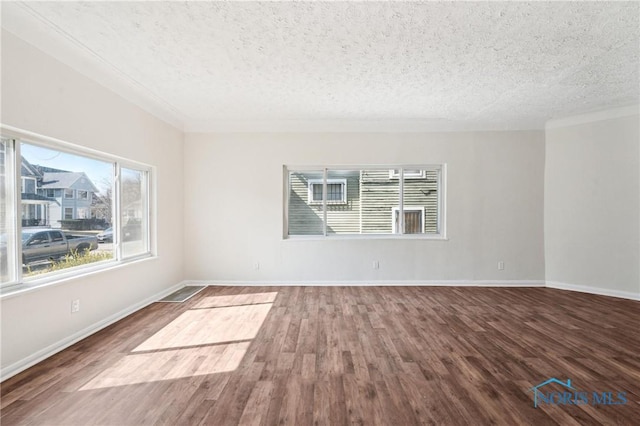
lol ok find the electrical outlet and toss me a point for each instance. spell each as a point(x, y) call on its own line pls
point(256, 265)
point(75, 306)
point(376, 264)
point(501, 266)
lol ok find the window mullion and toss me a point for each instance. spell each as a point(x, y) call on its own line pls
point(324, 201)
point(16, 162)
point(115, 202)
point(401, 201)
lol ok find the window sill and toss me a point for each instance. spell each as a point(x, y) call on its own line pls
point(54, 279)
point(366, 237)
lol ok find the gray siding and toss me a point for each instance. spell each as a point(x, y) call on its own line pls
point(306, 218)
point(371, 197)
point(380, 196)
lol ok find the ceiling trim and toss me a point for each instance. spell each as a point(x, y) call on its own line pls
point(590, 117)
point(30, 26)
point(350, 126)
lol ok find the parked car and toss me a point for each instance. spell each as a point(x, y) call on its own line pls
point(105, 236)
point(43, 244)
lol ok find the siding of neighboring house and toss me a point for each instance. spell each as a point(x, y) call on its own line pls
point(306, 218)
point(380, 197)
point(372, 196)
point(80, 208)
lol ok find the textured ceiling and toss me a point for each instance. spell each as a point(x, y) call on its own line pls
point(243, 65)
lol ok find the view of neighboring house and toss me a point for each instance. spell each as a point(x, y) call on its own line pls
point(36, 208)
point(51, 195)
point(363, 202)
point(73, 192)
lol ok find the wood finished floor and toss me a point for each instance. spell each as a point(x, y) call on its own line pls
point(341, 355)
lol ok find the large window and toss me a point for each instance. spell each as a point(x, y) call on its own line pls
point(76, 209)
point(368, 201)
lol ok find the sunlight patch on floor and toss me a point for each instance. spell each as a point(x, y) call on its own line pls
point(208, 326)
point(236, 300)
point(172, 364)
point(213, 337)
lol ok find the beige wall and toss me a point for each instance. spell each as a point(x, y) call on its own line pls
point(235, 202)
point(592, 204)
point(44, 96)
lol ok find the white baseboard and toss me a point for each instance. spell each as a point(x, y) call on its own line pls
point(23, 364)
point(431, 283)
point(593, 290)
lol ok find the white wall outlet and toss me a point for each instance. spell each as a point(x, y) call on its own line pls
point(256, 265)
point(376, 264)
point(500, 265)
point(75, 306)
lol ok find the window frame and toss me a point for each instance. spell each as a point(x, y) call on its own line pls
point(394, 224)
point(440, 168)
point(21, 283)
point(408, 174)
point(66, 196)
point(312, 182)
point(80, 191)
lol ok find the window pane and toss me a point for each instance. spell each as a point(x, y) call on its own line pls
point(421, 202)
point(134, 212)
point(343, 201)
point(7, 225)
point(379, 194)
point(51, 203)
point(305, 213)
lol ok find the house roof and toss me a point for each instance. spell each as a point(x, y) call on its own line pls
point(29, 170)
point(37, 197)
point(553, 380)
point(64, 180)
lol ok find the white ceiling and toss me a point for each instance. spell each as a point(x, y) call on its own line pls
point(410, 66)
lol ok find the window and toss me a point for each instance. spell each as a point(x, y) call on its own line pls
point(413, 220)
point(56, 236)
point(28, 185)
point(365, 201)
point(408, 173)
point(109, 185)
point(336, 191)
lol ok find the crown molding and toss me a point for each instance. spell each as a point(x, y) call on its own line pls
point(351, 126)
point(591, 117)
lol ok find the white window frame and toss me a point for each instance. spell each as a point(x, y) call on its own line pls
point(408, 174)
point(24, 179)
point(86, 193)
point(46, 193)
point(64, 213)
point(441, 229)
point(64, 194)
point(312, 182)
point(407, 209)
point(21, 284)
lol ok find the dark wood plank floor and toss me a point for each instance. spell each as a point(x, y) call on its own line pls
point(342, 355)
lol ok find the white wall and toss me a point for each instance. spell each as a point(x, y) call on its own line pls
point(234, 202)
point(592, 203)
point(44, 96)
